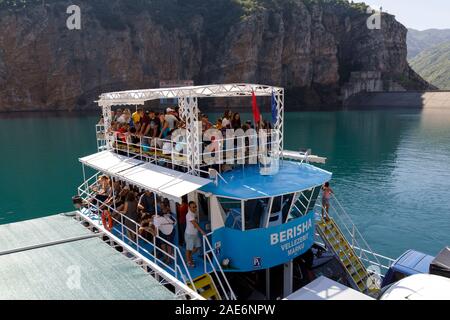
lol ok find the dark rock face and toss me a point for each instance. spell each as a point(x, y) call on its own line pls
point(309, 48)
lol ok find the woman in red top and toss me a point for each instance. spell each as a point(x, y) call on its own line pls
point(122, 133)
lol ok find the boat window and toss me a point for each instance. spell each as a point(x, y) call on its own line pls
point(286, 205)
point(255, 213)
point(280, 209)
point(232, 210)
point(203, 208)
point(305, 202)
point(314, 198)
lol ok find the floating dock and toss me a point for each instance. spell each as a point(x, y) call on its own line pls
point(58, 257)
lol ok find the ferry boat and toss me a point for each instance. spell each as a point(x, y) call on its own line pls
point(257, 203)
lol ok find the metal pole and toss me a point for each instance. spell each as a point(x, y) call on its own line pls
point(84, 173)
point(267, 284)
point(288, 274)
point(113, 194)
point(121, 224)
point(243, 215)
point(353, 236)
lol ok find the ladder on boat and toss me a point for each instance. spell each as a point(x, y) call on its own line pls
point(350, 254)
point(335, 240)
point(206, 287)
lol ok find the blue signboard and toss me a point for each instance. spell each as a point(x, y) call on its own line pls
point(264, 248)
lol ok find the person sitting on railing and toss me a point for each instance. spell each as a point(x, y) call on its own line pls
point(131, 218)
point(114, 198)
point(193, 242)
point(326, 195)
point(165, 224)
point(102, 191)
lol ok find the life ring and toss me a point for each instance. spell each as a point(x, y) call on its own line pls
point(107, 220)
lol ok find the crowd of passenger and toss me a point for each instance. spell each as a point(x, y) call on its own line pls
point(131, 127)
point(148, 215)
point(142, 213)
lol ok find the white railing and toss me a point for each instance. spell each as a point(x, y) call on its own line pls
point(384, 262)
point(354, 236)
point(101, 137)
point(216, 267)
point(172, 153)
point(154, 150)
point(132, 235)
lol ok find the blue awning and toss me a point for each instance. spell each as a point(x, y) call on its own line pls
point(247, 183)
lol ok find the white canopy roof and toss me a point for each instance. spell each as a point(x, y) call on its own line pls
point(216, 90)
point(166, 182)
point(109, 162)
point(326, 289)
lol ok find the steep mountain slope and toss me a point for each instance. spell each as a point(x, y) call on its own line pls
point(434, 65)
point(313, 48)
point(419, 41)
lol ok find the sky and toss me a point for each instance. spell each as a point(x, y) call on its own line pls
point(416, 14)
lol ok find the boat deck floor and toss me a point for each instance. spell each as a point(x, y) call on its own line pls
point(57, 258)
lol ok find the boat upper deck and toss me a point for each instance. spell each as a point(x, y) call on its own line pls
point(58, 258)
point(247, 182)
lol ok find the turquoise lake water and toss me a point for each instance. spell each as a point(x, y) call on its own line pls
point(391, 169)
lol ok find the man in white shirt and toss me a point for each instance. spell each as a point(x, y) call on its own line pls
point(171, 118)
point(191, 235)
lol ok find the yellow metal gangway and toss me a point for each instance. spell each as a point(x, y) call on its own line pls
point(365, 277)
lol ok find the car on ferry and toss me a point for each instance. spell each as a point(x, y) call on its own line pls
point(413, 262)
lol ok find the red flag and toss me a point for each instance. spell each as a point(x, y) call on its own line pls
point(255, 109)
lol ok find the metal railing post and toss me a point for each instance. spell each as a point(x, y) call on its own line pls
point(121, 225)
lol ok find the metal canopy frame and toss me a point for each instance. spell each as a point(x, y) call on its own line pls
point(188, 103)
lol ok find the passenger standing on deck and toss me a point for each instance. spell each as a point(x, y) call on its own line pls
point(182, 210)
point(147, 203)
point(137, 116)
point(191, 235)
point(326, 195)
point(171, 118)
point(130, 211)
point(165, 224)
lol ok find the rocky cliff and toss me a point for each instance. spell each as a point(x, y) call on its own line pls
point(310, 47)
